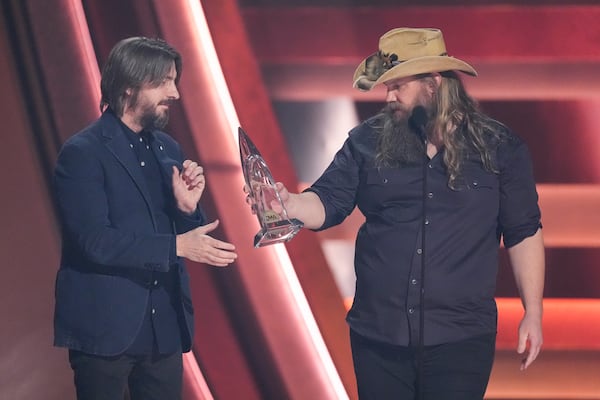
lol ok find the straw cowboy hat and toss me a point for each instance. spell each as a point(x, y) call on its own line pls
point(405, 52)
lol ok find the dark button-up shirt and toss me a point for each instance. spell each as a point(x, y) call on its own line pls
point(463, 227)
point(160, 330)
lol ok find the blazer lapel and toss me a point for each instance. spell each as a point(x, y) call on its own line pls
point(120, 147)
point(165, 162)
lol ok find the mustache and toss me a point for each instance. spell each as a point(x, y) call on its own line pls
point(396, 111)
point(392, 107)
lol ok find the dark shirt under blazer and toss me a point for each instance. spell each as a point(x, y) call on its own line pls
point(463, 229)
point(113, 247)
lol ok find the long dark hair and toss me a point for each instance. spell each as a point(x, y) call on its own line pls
point(133, 62)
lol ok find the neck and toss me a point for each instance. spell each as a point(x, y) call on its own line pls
point(434, 144)
point(131, 122)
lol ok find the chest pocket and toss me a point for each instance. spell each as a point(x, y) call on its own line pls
point(474, 177)
point(391, 194)
point(393, 182)
point(477, 187)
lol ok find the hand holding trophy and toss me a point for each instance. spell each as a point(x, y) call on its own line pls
point(276, 227)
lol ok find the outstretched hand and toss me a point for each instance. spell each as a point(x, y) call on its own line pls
point(188, 185)
point(196, 245)
point(306, 206)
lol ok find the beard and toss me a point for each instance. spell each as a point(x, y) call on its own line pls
point(399, 143)
point(151, 119)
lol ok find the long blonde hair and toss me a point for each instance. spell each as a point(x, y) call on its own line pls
point(464, 128)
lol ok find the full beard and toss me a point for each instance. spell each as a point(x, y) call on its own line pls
point(152, 119)
point(398, 143)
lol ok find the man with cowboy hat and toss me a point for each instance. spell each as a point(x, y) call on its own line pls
point(439, 184)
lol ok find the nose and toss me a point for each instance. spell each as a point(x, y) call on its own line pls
point(173, 91)
point(175, 94)
point(391, 96)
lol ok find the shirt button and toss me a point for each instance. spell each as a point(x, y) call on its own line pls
point(414, 281)
point(131, 145)
point(430, 195)
point(160, 147)
point(411, 310)
point(384, 180)
point(430, 166)
point(419, 251)
point(143, 164)
point(141, 140)
point(155, 283)
point(153, 311)
point(426, 222)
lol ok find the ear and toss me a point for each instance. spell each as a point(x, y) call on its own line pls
point(127, 99)
point(433, 84)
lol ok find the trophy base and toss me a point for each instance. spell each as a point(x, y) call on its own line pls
point(277, 232)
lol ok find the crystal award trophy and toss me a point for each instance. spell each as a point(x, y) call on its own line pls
point(276, 227)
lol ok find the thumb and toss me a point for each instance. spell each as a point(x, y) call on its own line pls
point(204, 229)
point(522, 344)
point(175, 174)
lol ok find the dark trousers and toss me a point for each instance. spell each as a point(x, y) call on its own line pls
point(452, 371)
point(144, 377)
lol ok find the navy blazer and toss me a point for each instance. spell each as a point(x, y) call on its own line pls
point(110, 243)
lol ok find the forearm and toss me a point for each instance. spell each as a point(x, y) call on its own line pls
point(527, 260)
point(116, 248)
point(184, 222)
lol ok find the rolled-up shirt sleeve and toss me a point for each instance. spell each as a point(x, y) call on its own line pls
point(337, 186)
point(519, 215)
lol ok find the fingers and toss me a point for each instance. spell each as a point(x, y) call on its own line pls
point(192, 174)
point(246, 190)
point(215, 243)
point(204, 229)
point(284, 194)
point(535, 345)
point(531, 356)
point(249, 199)
point(222, 249)
point(281, 189)
point(209, 250)
point(220, 258)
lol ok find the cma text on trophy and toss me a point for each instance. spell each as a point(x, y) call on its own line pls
point(276, 227)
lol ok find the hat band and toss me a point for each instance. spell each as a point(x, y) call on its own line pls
point(396, 62)
point(379, 63)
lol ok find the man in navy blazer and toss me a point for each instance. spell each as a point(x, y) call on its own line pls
point(128, 203)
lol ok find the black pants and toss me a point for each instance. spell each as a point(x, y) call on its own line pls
point(107, 378)
point(452, 371)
